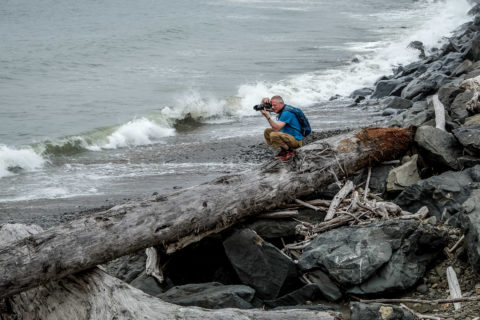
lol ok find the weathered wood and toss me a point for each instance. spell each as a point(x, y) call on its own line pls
point(457, 244)
point(94, 294)
point(419, 315)
point(454, 287)
point(365, 192)
point(152, 265)
point(305, 204)
point(180, 218)
point(423, 301)
point(347, 188)
point(439, 109)
point(279, 214)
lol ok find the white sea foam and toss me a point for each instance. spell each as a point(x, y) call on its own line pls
point(137, 132)
point(22, 159)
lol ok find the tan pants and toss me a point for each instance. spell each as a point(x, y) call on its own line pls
point(278, 139)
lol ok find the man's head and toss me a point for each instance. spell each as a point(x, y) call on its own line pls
point(277, 103)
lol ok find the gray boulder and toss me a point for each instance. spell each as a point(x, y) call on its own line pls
point(372, 257)
point(470, 222)
point(395, 103)
point(363, 92)
point(390, 87)
point(448, 92)
point(408, 263)
point(423, 86)
point(212, 295)
point(440, 148)
point(458, 108)
point(417, 115)
point(328, 289)
point(259, 264)
point(128, 268)
point(462, 68)
point(416, 67)
point(418, 45)
point(473, 52)
point(442, 194)
point(378, 177)
point(147, 284)
point(469, 137)
point(404, 175)
point(273, 228)
point(378, 311)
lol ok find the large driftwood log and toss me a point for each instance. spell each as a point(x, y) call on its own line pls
point(94, 294)
point(188, 215)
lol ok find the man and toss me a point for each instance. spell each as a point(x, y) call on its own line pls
point(284, 133)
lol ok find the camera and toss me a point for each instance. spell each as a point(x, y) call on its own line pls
point(266, 106)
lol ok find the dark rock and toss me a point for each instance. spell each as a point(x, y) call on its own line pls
point(273, 228)
point(417, 67)
point(468, 161)
point(396, 103)
point(450, 62)
point(440, 148)
point(127, 268)
point(15, 169)
point(258, 263)
point(442, 194)
point(462, 68)
point(473, 74)
point(458, 108)
point(424, 85)
point(448, 92)
point(378, 311)
point(390, 112)
point(328, 289)
point(470, 222)
point(309, 292)
point(147, 284)
point(469, 137)
point(417, 115)
point(473, 53)
point(363, 92)
point(408, 264)
point(211, 295)
point(384, 77)
point(418, 45)
point(386, 87)
point(375, 256)
point(475, 10)
point(378, 178)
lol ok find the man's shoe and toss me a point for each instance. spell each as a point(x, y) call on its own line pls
point(289, 155)
point(282, 153)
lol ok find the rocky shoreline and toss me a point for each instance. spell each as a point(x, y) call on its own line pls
point(248, 267)
point(419, 216)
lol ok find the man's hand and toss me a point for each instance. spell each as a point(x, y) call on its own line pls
point(265, 100)
point(265, 113)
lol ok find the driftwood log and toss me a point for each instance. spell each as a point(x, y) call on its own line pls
point(94, 294)
point(186, 216)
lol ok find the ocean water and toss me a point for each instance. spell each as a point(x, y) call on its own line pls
point(96, 95)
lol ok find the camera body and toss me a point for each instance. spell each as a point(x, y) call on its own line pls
point(263, 106)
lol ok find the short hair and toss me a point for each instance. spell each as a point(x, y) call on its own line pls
point(278, 98)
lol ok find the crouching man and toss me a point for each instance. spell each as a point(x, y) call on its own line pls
point(285, 133)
